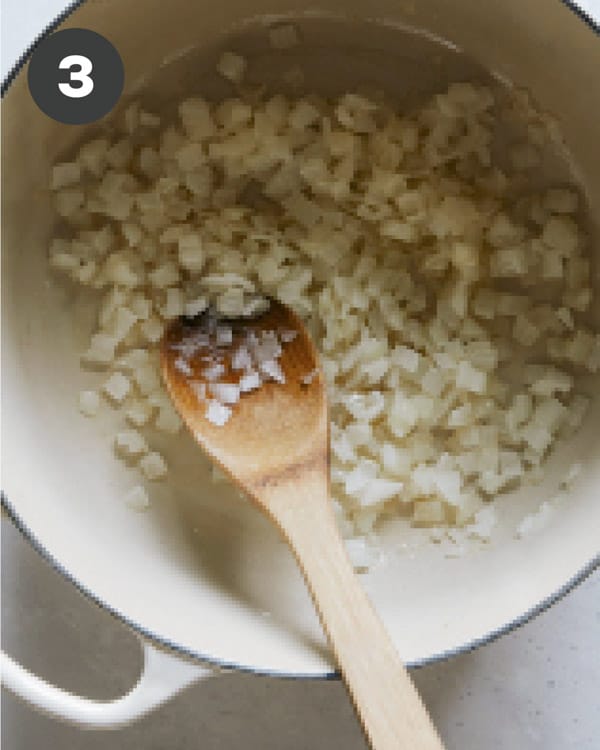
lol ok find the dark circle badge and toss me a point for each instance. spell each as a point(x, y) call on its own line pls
point(76, 76)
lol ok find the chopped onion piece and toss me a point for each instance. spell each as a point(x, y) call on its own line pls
point(217, 413)
point(153, 466)
point(286, 337)
point(117, 387)
point(89, 403)
point(130, 443)
point(214, 372)
point(272, 370)
point(137, 498)
point(232, 66)
point(183, 366)
point(241, 359)
point(226, 393)
point(224, 336)
point(250, 381)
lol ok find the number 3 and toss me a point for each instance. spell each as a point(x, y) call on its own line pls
point(82, 76)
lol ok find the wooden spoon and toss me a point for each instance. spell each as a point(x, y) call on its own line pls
point(275, 446)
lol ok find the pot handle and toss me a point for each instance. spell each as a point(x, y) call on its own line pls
point(163, 676)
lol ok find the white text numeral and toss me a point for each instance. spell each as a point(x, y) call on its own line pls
point(81, 76)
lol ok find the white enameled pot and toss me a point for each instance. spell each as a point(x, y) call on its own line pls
point(202, 578)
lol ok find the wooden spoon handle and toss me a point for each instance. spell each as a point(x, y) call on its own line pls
point(389, 706)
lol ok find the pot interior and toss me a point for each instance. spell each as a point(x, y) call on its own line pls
point(201, 569)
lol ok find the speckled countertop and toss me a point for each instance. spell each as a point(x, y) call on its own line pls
point(538, 687)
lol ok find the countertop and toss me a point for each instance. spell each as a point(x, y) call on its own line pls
point(537, 687)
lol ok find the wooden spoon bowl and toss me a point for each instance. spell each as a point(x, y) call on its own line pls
point(272, 429)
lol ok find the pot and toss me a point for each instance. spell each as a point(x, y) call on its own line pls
point(201, 577)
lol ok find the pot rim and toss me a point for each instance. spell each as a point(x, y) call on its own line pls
point(182, 651)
